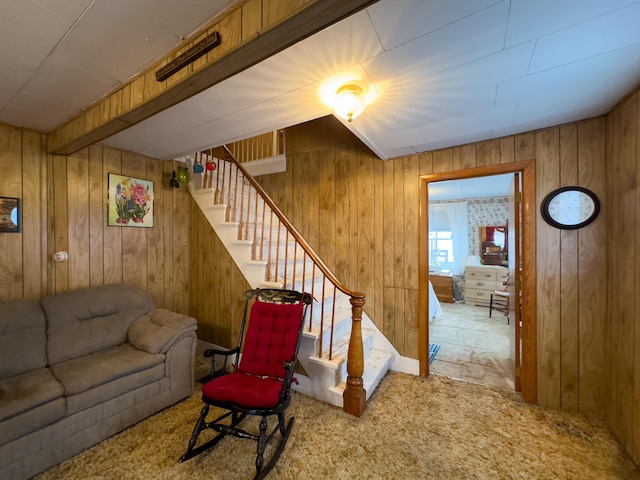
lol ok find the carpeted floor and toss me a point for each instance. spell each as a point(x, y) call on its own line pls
point(474, 347)
point(413, 428)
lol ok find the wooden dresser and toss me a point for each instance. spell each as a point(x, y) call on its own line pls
point(480, 281)
point(442, 286)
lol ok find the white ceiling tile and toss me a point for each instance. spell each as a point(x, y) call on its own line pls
point(171, 147)
point(564, 80)
point(303, 103)
point(558, 107)
point(594, 37)
point(179, 20)
point(398, 152)
point(213, 133)
point(533, 19)
point(33, 112)
point(455, 138)
point(401, 21)
point(400, 138)
point(12, 80)
point(445, 78)
point(244, 90)
point(468, 124)
point(341, 46)
point(50, 86)
point(260, 118)
point(466, 40)
point(52, 76)
point(30, 30)
point(487, 71)
point(113, 40)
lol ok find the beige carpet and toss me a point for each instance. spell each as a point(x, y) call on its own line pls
point(413, 428)
point(473, 347)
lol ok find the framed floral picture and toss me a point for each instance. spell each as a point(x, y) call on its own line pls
point(130, 202)
point(9, 215)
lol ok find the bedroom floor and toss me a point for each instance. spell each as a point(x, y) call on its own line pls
point(473, 347)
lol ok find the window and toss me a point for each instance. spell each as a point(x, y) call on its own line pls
point(441, 249)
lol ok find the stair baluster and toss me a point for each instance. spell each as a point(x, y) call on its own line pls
point(354, 396)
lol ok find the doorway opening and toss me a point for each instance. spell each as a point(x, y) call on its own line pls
point(510, 262)
point(468, 252)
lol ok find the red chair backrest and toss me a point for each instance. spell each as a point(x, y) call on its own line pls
point(272, 338)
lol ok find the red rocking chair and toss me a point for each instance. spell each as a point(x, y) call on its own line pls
point(260, 382)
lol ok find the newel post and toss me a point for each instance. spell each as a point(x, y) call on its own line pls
point(354, 396)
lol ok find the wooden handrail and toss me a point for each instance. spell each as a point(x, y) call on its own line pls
point(307, 248)
point(354, 396)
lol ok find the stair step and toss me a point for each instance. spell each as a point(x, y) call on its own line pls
point(376, 366)
point(340, 352)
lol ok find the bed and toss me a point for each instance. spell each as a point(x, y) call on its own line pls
point(435, 309)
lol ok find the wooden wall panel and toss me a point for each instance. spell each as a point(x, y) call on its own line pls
point(65, 208)
point(327, 209)
point(567, 333)
point(623, 232)
point(112, 236)
point(216, 284)
point(78, 219)
point(154, 237)
point(97, 216)
point(34, 215)
point(593, 339)
point(60, 223)
point(11, 244)
point(134, 258)
point(548, 274)
point(341, 187)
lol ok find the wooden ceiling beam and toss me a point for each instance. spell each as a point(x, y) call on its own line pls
point(250, 33)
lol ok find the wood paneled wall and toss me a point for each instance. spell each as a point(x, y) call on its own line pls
point(23, 256)
point(64, 202)
point(361, 215)
point(216, 284)
point(623, 254)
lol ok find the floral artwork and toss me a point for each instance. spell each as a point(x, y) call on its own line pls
point(130, 202)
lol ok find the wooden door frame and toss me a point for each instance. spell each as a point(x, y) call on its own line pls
point(527, 169)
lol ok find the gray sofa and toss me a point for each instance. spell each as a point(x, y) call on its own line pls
point(78, 367)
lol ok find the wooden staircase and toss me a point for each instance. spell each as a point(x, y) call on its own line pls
point(343, 355)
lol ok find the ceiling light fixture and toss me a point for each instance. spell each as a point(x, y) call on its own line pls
point(349, 102)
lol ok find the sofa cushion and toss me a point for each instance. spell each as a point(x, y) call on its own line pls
point(157, 330)
point(90, 371)
point(26, 391)
point(91, 319)
point(22, 337)
point(32, 420)
point(29, 402)
point(116, 388)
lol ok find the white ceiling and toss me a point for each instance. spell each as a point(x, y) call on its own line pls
point(439, 72)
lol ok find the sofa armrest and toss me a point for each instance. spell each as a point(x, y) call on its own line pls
point(159, 329)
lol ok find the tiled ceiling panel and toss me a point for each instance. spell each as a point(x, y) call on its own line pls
point(436, 73)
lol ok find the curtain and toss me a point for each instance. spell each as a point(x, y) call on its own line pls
point(458, 214)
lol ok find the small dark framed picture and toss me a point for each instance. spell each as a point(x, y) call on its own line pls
point(9, 215)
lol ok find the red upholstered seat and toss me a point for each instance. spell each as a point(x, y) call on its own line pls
point(245, 390)
point(260, 384)
point(271, 341)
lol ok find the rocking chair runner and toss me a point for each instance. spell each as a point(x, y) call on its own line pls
point(261, 381)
